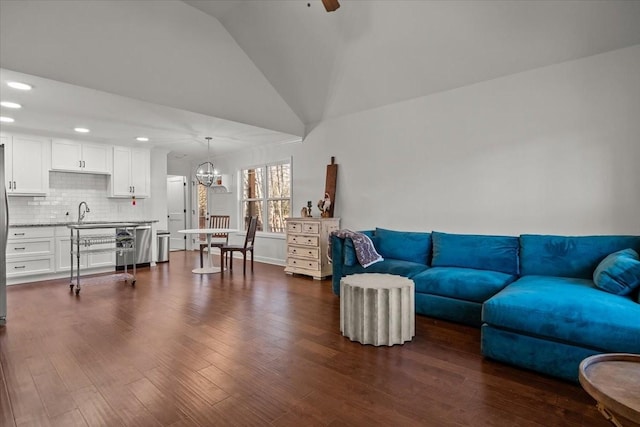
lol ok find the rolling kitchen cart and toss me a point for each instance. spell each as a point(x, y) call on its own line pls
point(124, 241)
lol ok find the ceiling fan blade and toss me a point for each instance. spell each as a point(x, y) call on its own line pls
point(330, 5)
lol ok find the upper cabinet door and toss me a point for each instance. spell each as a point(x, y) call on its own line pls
point(131, 172)
point(76, 156)
point(140, 172)
point(31, 160)
point(66, 155)
point(121, 177)
point(96, 158)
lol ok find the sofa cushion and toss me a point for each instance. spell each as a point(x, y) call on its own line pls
point(618, 273)
point(350, 257)
point(462, 283)
point(390, 266)
point(566, 309)
point(569, 256)
point(496, 253)
point(405, 245)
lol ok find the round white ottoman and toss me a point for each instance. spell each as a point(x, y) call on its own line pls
point(377, 308)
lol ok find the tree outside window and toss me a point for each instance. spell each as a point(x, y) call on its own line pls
point(267, 194)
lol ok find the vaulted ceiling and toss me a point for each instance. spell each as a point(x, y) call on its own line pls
point(373, 53)
point(267, 71)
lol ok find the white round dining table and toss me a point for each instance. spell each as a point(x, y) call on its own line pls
point(209, 232)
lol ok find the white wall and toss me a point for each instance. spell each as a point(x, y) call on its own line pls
point(555, 150)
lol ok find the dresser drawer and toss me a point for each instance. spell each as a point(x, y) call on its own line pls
point(29, 232)
point(297, 251)
point(17, 248)
point(303, 263)
point(294, 227)
point(311, 227)
point(303, 240)
point(29, 266)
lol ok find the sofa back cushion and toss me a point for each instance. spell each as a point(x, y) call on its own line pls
point(495, 253)
point(350, 257)
point(403, 245)
point(566, 256)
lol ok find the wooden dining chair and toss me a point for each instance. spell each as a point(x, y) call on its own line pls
point(247, 247)
point(221, 239)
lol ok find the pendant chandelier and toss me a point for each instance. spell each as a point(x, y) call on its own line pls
point(205, 173)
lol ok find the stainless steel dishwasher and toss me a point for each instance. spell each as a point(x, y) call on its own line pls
point(143, 249)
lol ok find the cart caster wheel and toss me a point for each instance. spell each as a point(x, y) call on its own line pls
point(133, 283)
point(78, 291)
point(71, 288)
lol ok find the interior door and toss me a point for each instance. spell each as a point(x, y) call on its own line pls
point(177, 211)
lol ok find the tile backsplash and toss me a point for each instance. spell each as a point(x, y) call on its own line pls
point(66, 191)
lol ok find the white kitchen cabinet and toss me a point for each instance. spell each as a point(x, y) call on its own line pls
point(76, 156)
point(26, 166)
point(30, 251)
point(63, 253)
point(131, 172)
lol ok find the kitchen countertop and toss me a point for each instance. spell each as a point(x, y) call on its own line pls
point(65, 223)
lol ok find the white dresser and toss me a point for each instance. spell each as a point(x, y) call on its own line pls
point(307, 243)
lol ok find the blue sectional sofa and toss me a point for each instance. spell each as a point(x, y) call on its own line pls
point(533, 296)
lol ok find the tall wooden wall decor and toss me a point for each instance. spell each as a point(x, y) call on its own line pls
point(330, 184)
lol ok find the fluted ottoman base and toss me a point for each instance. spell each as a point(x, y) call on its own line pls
point(377, 309)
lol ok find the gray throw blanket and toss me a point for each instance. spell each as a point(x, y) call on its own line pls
point(365, 251)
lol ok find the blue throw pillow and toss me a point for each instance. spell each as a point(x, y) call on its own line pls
point(404, 245)
point(482, 252)
point(619, 272)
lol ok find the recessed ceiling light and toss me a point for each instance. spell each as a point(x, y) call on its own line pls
point(19, 86)
point(142, 139)
point(9, 104)
point(82, 130)
point(4, 119)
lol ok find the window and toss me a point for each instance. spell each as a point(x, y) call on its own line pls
point(267, 194)
point(203, 211)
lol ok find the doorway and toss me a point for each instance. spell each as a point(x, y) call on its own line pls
point(177, 211)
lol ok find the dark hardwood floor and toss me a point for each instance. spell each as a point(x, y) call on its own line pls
point(182, 349)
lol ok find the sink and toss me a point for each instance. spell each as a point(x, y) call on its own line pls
point(92, 226)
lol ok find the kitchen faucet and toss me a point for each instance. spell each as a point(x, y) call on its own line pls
point(80, 213)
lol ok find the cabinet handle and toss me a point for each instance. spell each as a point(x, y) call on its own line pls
point(10, 185)
point(80, 163)
point(14, 185)
point(20, 266)
point(19, 249)
point(18, 234)
point(134, 188)
point(84, 164)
